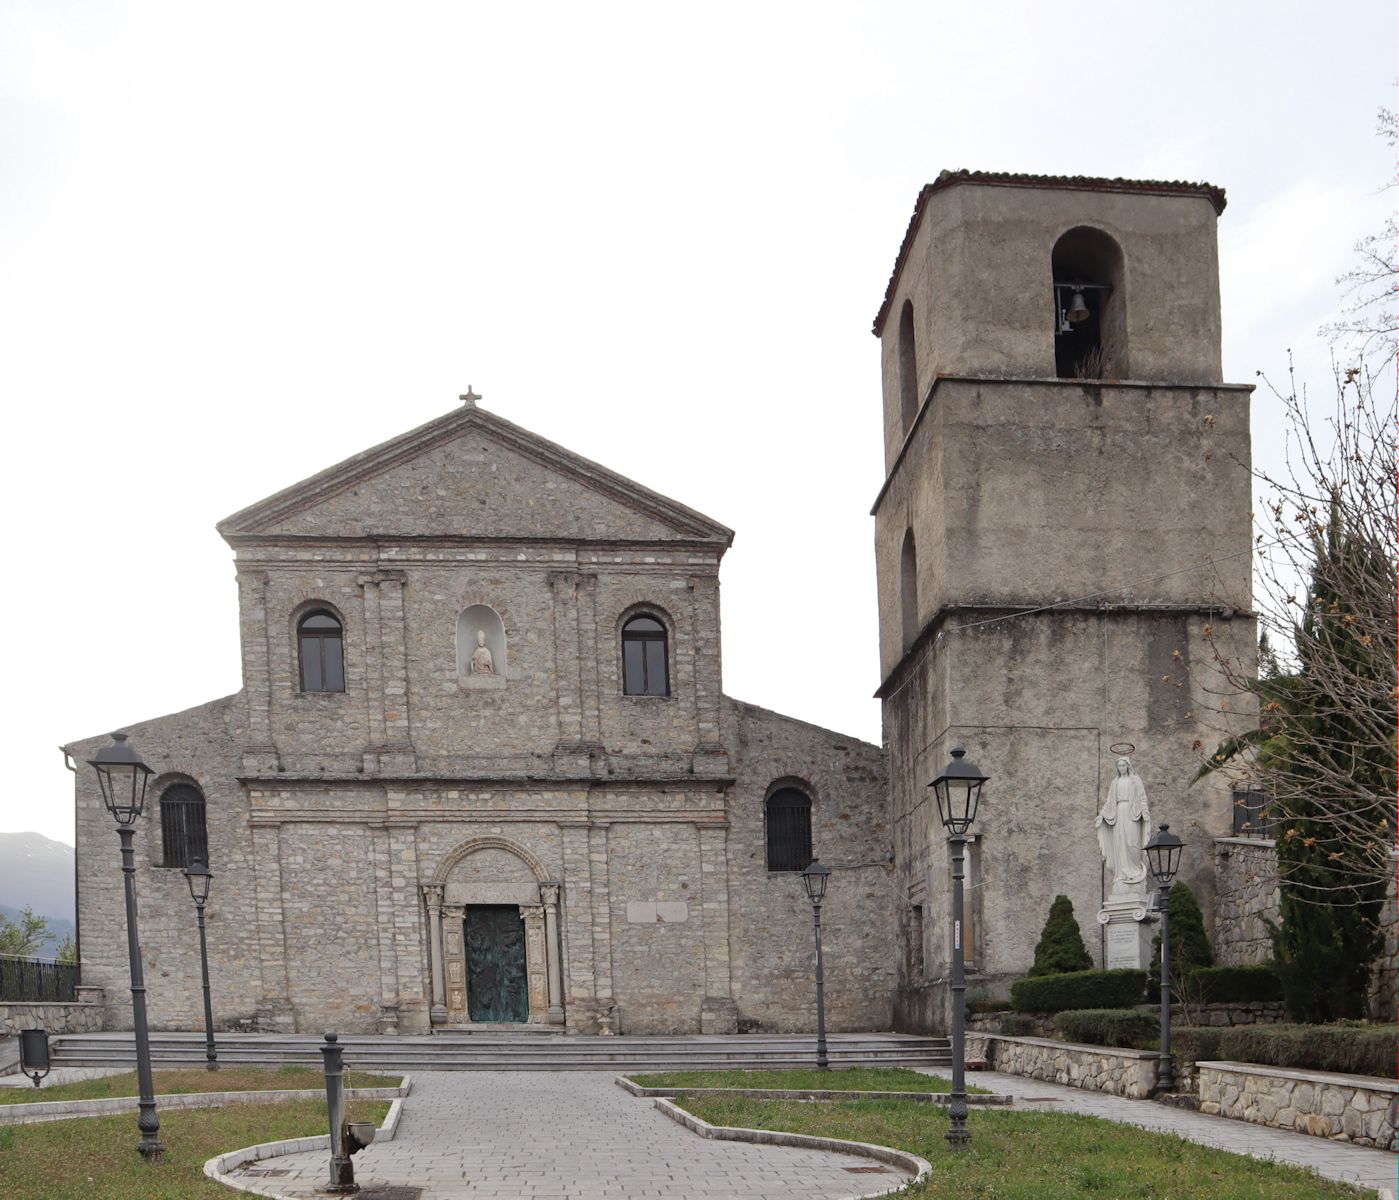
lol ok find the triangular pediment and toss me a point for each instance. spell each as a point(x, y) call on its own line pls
point(472, 475)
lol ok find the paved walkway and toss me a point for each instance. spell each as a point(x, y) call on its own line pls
point(545, 1134)
point(1335, 1160)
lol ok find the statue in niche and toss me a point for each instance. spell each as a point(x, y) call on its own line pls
point(481, 661)
point(1124, 827)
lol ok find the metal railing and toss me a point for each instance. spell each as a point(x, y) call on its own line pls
point(37, 980)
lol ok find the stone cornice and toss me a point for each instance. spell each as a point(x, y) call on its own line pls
point(1111, 384)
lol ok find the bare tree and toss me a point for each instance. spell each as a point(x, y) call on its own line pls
point(1326, 599)
point(1371, 287)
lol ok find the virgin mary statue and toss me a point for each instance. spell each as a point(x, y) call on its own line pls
point(1124, 825)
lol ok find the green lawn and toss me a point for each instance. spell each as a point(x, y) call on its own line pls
point(172, 1083)
point(850, 1079)
point(94, 1158)
point(1034, 1155)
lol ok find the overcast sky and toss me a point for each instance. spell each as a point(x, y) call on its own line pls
point(240, 242)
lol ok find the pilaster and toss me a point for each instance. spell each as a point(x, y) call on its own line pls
point(718, 1012)
point(274, 1011)
point(536, 962)
point(384, 924)
point(260, 751)
point(710, 758)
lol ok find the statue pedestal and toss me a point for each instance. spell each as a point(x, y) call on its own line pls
point(1129, 932)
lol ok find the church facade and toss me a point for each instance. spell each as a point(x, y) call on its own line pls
point(481, 773)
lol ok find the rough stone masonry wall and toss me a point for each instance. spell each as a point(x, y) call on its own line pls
point(56, 1018)
point(1246, 894)
point(199, 745)
point(1345, 1108)
point(770, 922)
point(1129, 1073)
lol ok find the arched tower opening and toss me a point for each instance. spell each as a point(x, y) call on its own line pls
point(908, 369)
point(1090, 328)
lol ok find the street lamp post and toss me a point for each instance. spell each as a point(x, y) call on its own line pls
point(199, 877)
point(123, 778)
point(958, 791)
point(815, 878)
point(1163, 857)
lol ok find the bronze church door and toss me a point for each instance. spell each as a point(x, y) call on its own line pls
point(495, 964)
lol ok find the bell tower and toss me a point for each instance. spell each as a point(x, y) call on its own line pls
point(1062, 542)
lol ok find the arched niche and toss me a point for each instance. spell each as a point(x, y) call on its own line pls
point(474, 621)
point(1088, 269)
point(490, 871)
point(908, 589)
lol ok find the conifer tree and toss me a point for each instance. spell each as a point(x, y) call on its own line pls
point(1060, 947)
point(1190, 948)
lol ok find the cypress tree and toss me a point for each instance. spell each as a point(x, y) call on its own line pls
point(1060, 947)
point(1190, 948)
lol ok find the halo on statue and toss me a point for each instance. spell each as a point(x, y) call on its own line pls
point(1120, 748)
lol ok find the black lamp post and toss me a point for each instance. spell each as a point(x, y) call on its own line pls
point(815, 878)
point(123, 778)
point(199, 877)
point(958, 791)
point(1163, 858)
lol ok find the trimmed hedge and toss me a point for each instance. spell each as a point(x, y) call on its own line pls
point(1110, 1027)
point(1019, 1025)
point(1078, 989)
point(1196, 1043)
point(1233, 985)
point(1350, 1049)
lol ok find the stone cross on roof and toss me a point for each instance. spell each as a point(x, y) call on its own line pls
point(470, 397)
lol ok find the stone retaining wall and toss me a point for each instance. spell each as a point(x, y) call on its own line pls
point(1252, 1012)
point(1345, 1108)
point(56, 1018)
point(1129, 1073)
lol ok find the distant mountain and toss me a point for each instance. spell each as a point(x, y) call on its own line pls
point(38, 872)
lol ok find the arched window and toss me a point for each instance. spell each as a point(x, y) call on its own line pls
point(184, 835)
point(644, 671)
point(789, 830)
point(908, 368)
point(321, 642)
point(1090, 327)
point(908, 589)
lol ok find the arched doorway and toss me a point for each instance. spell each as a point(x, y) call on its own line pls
point(493, 923)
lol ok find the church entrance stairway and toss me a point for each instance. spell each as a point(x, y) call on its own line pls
point(490, 1051)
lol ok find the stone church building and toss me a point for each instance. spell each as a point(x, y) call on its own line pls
point(482, 772)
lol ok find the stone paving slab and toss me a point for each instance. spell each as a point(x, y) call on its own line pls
point(569, 1135)
point(1335, 1160)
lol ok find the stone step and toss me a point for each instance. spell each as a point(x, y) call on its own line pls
point(506, 1052)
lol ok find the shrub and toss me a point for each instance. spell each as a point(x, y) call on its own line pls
point(1190, 948)
point(1019, 1025)
point(1060, 947)
point(1233, 985)
point(1110, 1027)
point(1195, 1043)
point(1354, 1050)
point(1078, 989)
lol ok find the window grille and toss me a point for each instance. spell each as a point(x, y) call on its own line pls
point(183, 831)
point(321, 643)
point(1251, 818)
point(644, 671)
point(789, 830)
